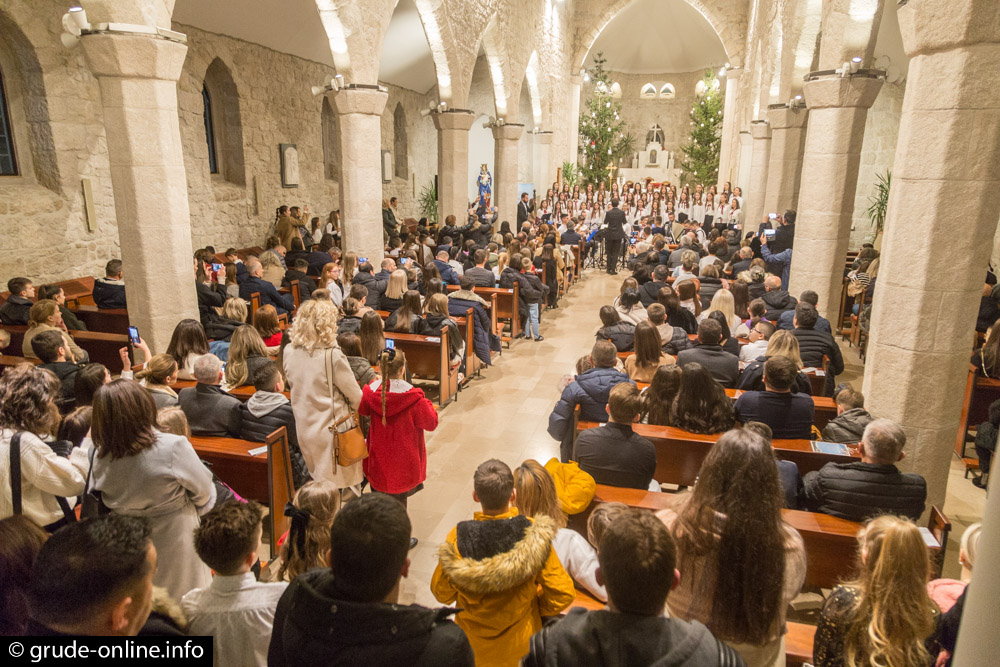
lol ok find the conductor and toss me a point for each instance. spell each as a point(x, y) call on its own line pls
point(614, 236)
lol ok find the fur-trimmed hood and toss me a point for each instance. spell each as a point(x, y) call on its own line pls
point(507, 569)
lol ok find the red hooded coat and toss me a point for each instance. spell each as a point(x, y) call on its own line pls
point(397, 457)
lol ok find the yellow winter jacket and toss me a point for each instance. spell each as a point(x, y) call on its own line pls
point(502, 597)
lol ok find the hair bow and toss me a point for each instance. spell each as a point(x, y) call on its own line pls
point(300, 521)
point(391, 352)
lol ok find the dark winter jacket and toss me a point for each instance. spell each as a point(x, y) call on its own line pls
point(306, 284)
point(723, 366)
point(448, 275)
point(534, 281)
point(508, 278)
point(858, 491)
point(847, 427)
point(483, 339)
point(210, 410)
point(752, 378)
point(621, 333)
point(218, 327)
point(590, 391)
point(349, 324)
point(268, 294)
point(483, 276)
point(616, 455)
point(210, 296)
point(683, 318)
point(263, 414)
point(72, 322)
point(813, 345)
point(649, 292)
point(778, 301)
point(389, 304)
point(66, 371)
point(431, 325)
point(613, 639)
point(362, 369)
point(317, 260)
point(109, 293)
point(709, 286)
point(15, 310)
point(787, 321)
point(314, 626)
point(376, 288)
point(678, 340)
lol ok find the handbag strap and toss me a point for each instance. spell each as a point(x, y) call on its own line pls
point(15, 472)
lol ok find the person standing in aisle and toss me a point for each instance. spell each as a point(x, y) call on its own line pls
point(614, 235)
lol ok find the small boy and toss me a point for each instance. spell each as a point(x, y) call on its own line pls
point(501, 570)
point(267, 411)
point(15, 309)
point(235, 608)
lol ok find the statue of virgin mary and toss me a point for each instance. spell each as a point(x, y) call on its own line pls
point(485, 187)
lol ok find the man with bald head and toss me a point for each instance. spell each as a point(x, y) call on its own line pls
point(255, 282)
point(778, 300)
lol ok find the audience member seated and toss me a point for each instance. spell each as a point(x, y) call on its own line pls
point(45, 316)
point(781, 344)
point(435, 320)
point(788, 414)
point(307, 543)
point(815, 344)
point(318, 618)
point(614, 454)
point(220, 327)
point(188, 344)
point(58, 294)
point(859, 490)
point(500, 570)
point(777, 299)
point(734, 511)
point(247, 353)
point(107, 593)
point(537, 496)
point(158, 375)
point(406, 317)
point(350, 345)
point(300, 271)
point(649, 292)
point(351, 321)
point(20, 541)
point(141, 471)
point(50, 347)
point(677, 315)
point(852, 418)
point(658, 397)
point(482, 276)
point(726, 340)
point(638, 564)
point(701, 405)
point(723, 366)
point(711, 283)
point(109, 291)
point(986, 359)
point(267, 410)
point(448, 275)
point(90, 378)
point(648, 355)
point(269, 295)
point(209, 409)
point(28, 409)
point(235, 610)
point(392, 298)
point(674, 339)
point(265, 321)
point(787, 318)
point(19, 302)
point(760, 336)
point(629, 308)
point(211, 293)
point(884, 617)
point(483, 339)
point(788, 471)
point(590, 391)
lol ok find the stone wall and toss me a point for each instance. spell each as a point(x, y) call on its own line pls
point(877, 155)
point(421, 139)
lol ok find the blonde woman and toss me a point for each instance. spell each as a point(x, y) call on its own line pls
point(235, 309)
point(273, 270)
point(308, 542)
point(724, 303)
point(329, 279)
point(325, 390)
point(157, 376)
point(393, 297)
point(247, 353)
point(45, 316)
point(782, 344)
point(350, 263)
point(884, 617)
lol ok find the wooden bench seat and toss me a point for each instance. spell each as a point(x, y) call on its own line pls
point(467, 333)
point(109, 320)
point(428, 358)
point(504, 308)
point(231, 461)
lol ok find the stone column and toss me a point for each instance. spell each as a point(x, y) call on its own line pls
point(575, 86)
point(784, 168)
point(942, 212)
point(505, 153)
point(726, 159)
point(359, 122)
point(754, 195)
point(453, 163)
point(138, 76)
point(541, 170)
point(838, 108)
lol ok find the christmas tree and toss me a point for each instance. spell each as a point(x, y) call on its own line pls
point(701, 161)
point(603, 139)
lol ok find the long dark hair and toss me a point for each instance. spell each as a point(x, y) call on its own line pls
point(741, 299)
point(658, 399)
point(702, 405)
point(189, 336)
point(20, 541)
point(372, 340)
point(405, 313)
point(743, 550)
point(647, 345)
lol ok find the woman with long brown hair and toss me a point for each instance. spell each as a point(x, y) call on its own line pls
point(308, 544)
point(405, 318)
point(987, 358)
point(740, 563)
point(158, 375)
point(648, 355)
point(20, 541)
point(372, 336)
point(246, 354)
point(702, 405)
point(658, 397)
point(884, 617)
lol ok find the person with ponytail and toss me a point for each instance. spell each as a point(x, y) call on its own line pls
point(157, 376)
point(306, 545)
point(400, 413)
point(885, 616)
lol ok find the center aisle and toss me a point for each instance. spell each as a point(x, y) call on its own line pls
point(501, 415)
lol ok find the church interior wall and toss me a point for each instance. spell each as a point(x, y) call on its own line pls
point(877, 155)
point(421, 149)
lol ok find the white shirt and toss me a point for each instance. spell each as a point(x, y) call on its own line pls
point(239, 612)
point(44, 475)
point(751, 351)
point(580, 560)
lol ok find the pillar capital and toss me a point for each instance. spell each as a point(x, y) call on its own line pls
point(835, 91)
point(782, 117)
point(925, 28)
point(543, 137)
point(734, 73)
point(576, 79)
point(365, 100)
point(760, 129)
point(508, 131)
point(454, 119)
point(134, 56)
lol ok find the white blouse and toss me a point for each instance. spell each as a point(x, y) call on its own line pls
point(44, 476)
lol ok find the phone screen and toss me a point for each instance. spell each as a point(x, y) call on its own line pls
point(772, 216)
point(216, 266)
point(362, 260)
point(133, 335)
point(390, 344)
point(631, 241)
point(403, 261)
point(769, 233)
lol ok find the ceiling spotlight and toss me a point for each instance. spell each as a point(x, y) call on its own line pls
point(78, 17)
point(855, 64)
point(74, 22)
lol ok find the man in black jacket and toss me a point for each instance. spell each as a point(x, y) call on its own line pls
point(48, 346)
point(814, 344)
point(255, 282)
point(723, 366)
point(614, 454)
point(109, 291)
point(18, 304)
point(857, 491)
point(614, 235)
point(523, 209)
point(267, 411)
point(482, 276)
point(570, 236)
point(650, 292)
point(637, 562)
point(376, 288)
point(300, 272)
point(777, 300)
point(354, 617)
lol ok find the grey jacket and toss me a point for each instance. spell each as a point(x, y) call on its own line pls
point(847, 427)
point(210, 410)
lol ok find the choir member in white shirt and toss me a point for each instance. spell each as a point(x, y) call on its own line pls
point(735, 214)
point(684, 204)
point(698, 208)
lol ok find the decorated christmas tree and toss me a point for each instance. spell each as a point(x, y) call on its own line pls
point(701, 153)
point(603, 139)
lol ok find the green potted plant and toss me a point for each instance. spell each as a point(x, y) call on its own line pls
point(877, 205)
point(428, 203)
point(570, 175)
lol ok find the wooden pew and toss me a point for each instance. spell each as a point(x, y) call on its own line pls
point(102, 347)
point(281, 488)
point(979, 393)
point(110, 320)
point(679, 454)
point(504, 309)
point(427, 358)
point(467, 333)
point(231, 461)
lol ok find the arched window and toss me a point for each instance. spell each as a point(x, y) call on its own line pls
point(330, 142)
point(213, 160)
point(648, 92)
point(667, 92)
point(616, 90)
point(399, 145)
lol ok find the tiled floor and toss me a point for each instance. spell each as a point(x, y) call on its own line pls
point(504, 415)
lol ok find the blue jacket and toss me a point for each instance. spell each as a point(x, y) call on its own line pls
point(268, 294)
point(784, 258)
point(590, 391)
point(448, 275)
point(482, 337)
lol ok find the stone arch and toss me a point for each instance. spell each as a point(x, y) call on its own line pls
point(715, 12)
point(226, 125)
point(800, 50)
point(27, 104)
point(331, 142)
point(401, 168)
point(531, 76)
point(355, 31)
point(495, 58)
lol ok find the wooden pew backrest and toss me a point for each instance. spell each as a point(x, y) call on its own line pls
point(280, 487)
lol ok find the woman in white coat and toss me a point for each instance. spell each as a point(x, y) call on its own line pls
point(324, 391)
point(141, 471)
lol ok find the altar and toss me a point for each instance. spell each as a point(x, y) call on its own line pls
point(653, 162)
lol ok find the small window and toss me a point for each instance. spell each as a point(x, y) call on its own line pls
point(616, 90)
point(213, 162)
point(399, 143)
point(8, 162)
point(330, 142)
point(648, 92)
point(667, 92)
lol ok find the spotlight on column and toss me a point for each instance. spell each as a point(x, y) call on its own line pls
point(78, 15)
point(74, 22)
point(855, 64)
point(845, 70)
